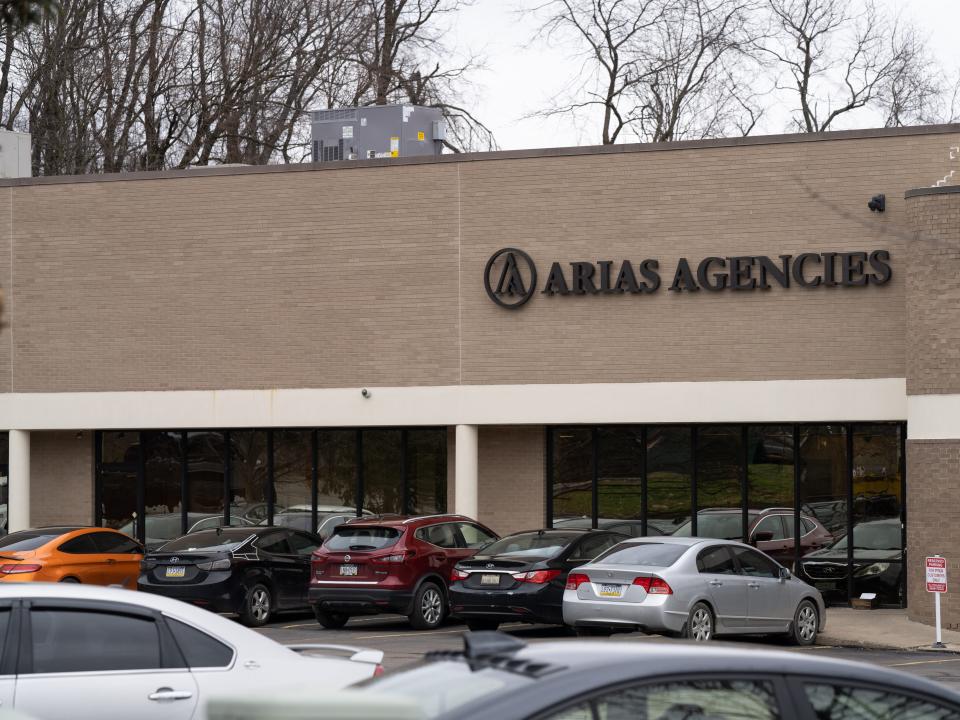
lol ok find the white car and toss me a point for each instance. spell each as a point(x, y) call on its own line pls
point(83, 652)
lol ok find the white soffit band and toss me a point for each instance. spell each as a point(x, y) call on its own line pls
point(693, 402)
point(933, 417)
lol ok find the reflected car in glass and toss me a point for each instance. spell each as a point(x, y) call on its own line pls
point(520, 578)
point(770, 530)
point(632, 528)
point(163, 527)
point(95, 556)
point(696, 588)
point(253, 572)
point(877, 563)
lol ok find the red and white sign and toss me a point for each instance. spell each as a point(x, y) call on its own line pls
point(936, 574)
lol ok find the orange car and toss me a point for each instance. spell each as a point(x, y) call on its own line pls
point(98, 556)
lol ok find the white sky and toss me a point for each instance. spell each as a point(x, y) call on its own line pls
point(520, 79)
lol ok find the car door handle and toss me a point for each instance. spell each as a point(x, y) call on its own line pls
point(755, 586)
point(111, 561)
point(165, 694)
point(716, 583)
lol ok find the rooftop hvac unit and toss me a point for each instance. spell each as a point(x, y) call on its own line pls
point(376, 131)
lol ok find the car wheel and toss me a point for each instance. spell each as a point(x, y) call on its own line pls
point(700, 624)
point(70, 580)
point(331, 620)
point(429, 607)
point(257, 606)
point(476, 625)
point(806, 623)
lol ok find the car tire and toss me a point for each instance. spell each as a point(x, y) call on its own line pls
point(476, 625)
point(70, 580)
point(593, 632)
point(429, 607)
point(331, 620)
point(806, 624)
point(257, 606)
point(700, 624)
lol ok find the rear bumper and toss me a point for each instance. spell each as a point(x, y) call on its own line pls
point(223, 597)
point(599, 613)
point(540, 605)
point(361, 601)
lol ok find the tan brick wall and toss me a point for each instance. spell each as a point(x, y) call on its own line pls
point(933, 295)
point(5, 287)
point(61, 478)
point(512, 477)
point(933, 524)
point(350, 277)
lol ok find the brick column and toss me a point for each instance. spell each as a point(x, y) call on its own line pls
point(933, 396)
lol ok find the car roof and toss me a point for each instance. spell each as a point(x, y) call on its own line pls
point(406, 521)
point(58, 529)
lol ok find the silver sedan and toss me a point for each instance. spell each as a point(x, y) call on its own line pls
point(691, 587)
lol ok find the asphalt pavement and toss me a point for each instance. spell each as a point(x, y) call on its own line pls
point(404, 646)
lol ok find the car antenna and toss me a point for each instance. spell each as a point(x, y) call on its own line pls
point(219, 530)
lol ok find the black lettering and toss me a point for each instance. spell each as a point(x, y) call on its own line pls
point(649, 268)
point(702, 274)
point(851, 269)
point(556, 283)
point(829, 277)
point(740, 273)
point(626, 280)
point(684, 276)
point(605, 277)
point(582, 279)
point(780, 274)
point(879, 261)
point(798, 270)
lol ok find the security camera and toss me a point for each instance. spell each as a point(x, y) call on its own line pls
point(366, 393)
point(878, 203)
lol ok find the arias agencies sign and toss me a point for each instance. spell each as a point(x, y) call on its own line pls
point(511, 277)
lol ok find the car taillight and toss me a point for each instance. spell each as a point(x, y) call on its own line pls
point(19, 569)
point(653, 585)
point(378, 671)
point(538, 577)
point(223, 564)
point(456, 575)
point(389, 559)
point(146, 565)
point(575, 580)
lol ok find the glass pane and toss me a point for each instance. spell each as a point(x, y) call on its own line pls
point(669, 468)
point(770, 487)
point(75, 641)
point(619, 476)
point(823, 496)
point(198, 648)
point(120, 458)
point(427, 471)
point(292, 473)
point(572, 487)
point(877, 536)
point(714, 699)
point(248, 475)
point(162, 480)
point(337, 471)
point(206, 457)
point(382, 478)
point(844, 702)
point(4, 480)
point(719, 463)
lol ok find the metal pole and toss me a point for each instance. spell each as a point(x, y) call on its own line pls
point(936, 609)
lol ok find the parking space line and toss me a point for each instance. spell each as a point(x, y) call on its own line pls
point(925, 662)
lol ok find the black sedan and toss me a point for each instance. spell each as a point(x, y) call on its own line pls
point(521, 577)
point(253, 572)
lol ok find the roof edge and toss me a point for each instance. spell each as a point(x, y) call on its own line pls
point(943, 190)
point(735, 142)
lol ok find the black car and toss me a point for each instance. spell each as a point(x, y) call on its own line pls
point(521, 577)
point(498, 676)
point(254, 571)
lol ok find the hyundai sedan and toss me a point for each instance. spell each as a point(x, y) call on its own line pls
point(691, 587)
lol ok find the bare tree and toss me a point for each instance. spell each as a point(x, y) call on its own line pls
point(918, 91)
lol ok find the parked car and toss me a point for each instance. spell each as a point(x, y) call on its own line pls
point(691, 587)
point(163, 527)
point(521, 576)
point(769, 530)
point(633, 528)
point(877, 562)
point(498, 676)
point(253, 572)
point(91, 653)
point(399, 565)
point(97, 556)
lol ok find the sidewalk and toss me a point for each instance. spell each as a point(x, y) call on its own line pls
point(884, 629)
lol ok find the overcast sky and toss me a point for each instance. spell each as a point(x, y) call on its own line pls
point(520, 79)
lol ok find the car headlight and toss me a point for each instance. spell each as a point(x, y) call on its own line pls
point(214, 565)
point(871, 570)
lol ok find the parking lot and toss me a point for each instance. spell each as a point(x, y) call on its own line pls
point(403, 646)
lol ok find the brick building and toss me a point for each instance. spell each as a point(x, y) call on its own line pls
point(700, 337)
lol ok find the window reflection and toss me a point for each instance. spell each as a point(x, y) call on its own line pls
point(293, 478)
point(669, 478)
point(248, 475)
point(426, 471)
point(719, 465)
point(4, 480)
point(206, 467)
point(163, 476)
point(337, 470)
point(120, 460)
point(382, 472)
point(573, 474)
point(620, 479)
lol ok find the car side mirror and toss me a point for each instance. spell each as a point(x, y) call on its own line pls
point(761, 536)
point(785, 573)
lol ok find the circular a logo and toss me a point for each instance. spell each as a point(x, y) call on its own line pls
point(346, 558)
point(510, 277)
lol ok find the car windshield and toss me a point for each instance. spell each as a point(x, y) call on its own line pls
point(647, 554)
point(873, 536)
point(362, 538)
point(28, 540)
point(443, 687)
point(537, 544)
point(208, 541)
point(722, 526)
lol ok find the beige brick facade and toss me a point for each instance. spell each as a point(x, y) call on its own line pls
point(61, 487)
point(512, 478)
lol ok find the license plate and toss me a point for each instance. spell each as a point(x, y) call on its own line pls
point(489, 579)
point(348, 569)
point(176, 572)
point(610, 591)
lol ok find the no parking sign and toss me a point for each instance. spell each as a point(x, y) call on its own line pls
point(936, 574)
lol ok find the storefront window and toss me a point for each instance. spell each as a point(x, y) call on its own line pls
point(337, 469)
point(4, 480)
point(669, 478)
point(248, 475)
point(292, 478)
point(719, 455)
point(119, 471)
point(382, 471)
point(620, 479)
point(770, 481)
point(572, 476)
point(163, 480)
point(426, 468)
point(206, 467)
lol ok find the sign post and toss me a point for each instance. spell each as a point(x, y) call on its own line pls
point(936, 567)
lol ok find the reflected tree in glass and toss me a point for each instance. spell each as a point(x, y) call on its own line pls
point(669, 478)
point(572, 486)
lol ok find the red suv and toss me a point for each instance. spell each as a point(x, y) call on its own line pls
point(392, 565)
